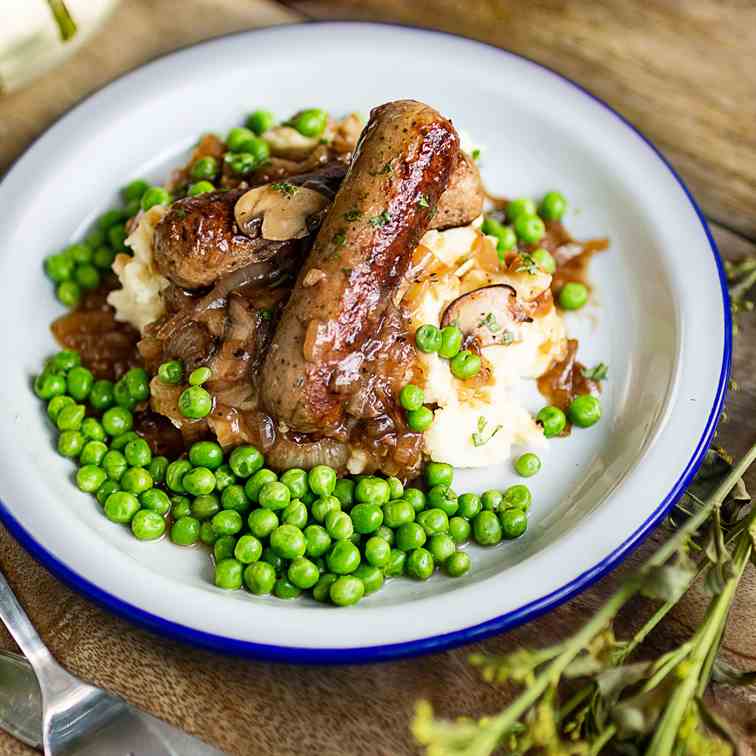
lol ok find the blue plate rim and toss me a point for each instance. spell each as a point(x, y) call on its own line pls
point(499, 624)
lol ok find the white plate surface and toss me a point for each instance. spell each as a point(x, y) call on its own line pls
point(660, 321)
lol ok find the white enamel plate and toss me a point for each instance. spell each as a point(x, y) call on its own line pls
point(660, 320)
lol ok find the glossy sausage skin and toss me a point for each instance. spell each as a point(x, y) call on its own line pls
point(402, 165)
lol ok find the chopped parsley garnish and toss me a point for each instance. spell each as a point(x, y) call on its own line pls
point(386, 169)
point(288, 190)
point(339, 239)
point(346, 271)
point(597, 373)
point(353, 215)
point(380, 220)
point(266, 314)
point(507, 337)
point(180, 213)
point(476, 154)
point(527, 264)
point(489, 321)
point(483, 434)
point(423, 201)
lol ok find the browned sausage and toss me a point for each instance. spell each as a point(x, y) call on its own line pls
point(462, 202)
point(402, 165)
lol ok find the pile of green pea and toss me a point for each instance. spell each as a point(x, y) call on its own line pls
point(339, 538)
point(79, 267)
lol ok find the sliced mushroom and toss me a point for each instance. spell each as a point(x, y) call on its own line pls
point(287, 142)
point(284, 209)
point(490, 314)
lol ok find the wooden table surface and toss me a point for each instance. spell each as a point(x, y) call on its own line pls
point(683, 73)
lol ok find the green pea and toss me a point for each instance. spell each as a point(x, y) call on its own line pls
point(397, 513)
point(285, 589)
point(344, 492)
point(199, 187)
point(367, 518)
point(59, 267)
point(236, 138)
point(103, 258)
point(248, 549)
point(295, 480)
point(527, 464)
point(443, 498)
point(396, 489)
point(56, 404)
point(420, 420)
point(260, 121)
point(134, 190)
point(80, 253)
point(135, 480)
point(275, 561)
point(371, 577)
point(174, 475)
point(228, 574)
point(114, 464)
point(518, 496)
point(288, 541)
point(101, 396)
point(206, 454)
point(457, 564)
point(552, 420)
point(469, 505)
point(428, 338)
point(433, 521)
point(519, 207)
point(310, 122)
point(70, 443)
point(155, 500)
point(121, 507)
point(544, 260)
point(486, 529)
point(323, 506)
point(207, 535)
point(49, 385)
point(465, 365)
point(147, 525)
point(224, 478)
point(65, 360)
point(205, 506)
point(442, 546)
point(377, 551)
point(262, 522)
point(195, 403)
point(223, 547)
point(119, 442)
point(322, 480)
point(69, 293)
point(514, 522)
point(459, 529)
point(573, 296)
point(171, 372)
point(529, 228)
point(303, 573)
point(451, 341)
point(227, 522)
point(260, 578)
point(108, 218)
point(411, 397)
point(117, 420)
point(584, 411)
point(346, 590)
point(257, 148)
point(420, 564)
point(70, 417)
point(274, 495)
point(93, 453)
point(339, 525)
point(396, 563)
point(356, 539)
point(321, 591)
point(204, 168)
point(138, 384)
point(117, 237)
point(181, 506)
point(155, 195)
point(371, 490)
point(553, 206)
point(107, 488)
point(410, 536)
point(157, 468)
point(492, 500)
point(317, 541)
point(138, 453)
point(296, 514)
point(253, 486)
point(122, 396)
point(233, 497)
point(246, 461)
point(386, 534)
point(343, 558)
point(199, 481)
point(87, 276)
point(438, 474)
point(240, 162)
point(199, 376)
point(89, 478)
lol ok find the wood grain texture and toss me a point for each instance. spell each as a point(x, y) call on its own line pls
point(653, 62)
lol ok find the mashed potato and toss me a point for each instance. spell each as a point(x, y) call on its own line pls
point(138, 301)
point(477, 425)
